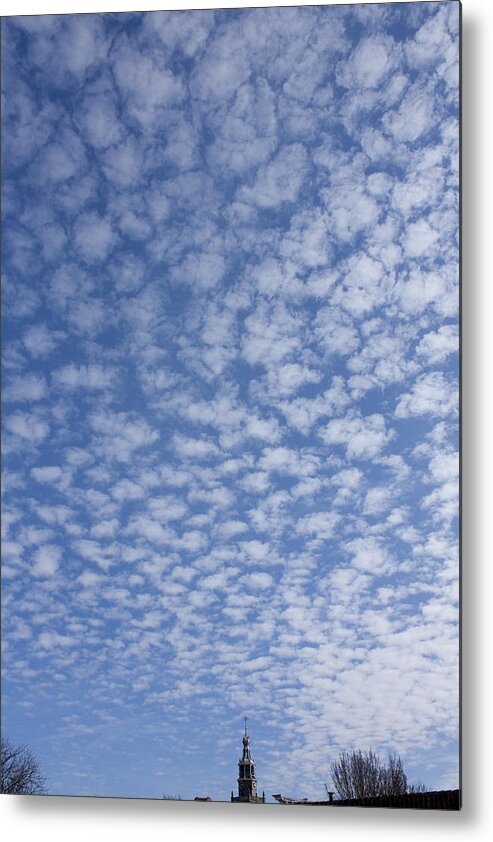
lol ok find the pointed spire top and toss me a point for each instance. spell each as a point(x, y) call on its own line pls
point(246, 742)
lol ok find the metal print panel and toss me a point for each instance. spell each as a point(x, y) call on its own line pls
point(230, 418)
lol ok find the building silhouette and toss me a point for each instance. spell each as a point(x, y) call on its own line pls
point(448, 799)
point(247, 782)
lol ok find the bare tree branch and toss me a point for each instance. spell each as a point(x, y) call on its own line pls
point(20, 772)
point(359, 774)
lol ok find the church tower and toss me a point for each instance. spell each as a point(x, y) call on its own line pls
point(247, 782)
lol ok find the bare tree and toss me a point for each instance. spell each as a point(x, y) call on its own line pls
point(20, 773)
point(417, 786)
point(393, 779)
point(359, 774)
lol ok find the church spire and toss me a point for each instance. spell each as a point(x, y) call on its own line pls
point(247, 782)
point(247, 758)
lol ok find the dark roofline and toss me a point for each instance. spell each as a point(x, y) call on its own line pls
point(447, 799)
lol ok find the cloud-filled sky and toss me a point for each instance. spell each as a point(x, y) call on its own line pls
point(230, 409)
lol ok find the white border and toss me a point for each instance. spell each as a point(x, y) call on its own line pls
point(78, 819)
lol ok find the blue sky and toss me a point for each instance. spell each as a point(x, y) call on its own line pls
point(230, 409)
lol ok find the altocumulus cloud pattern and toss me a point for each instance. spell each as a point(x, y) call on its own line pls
point(230, 394)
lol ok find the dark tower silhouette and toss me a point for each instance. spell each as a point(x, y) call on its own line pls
point(247, 782)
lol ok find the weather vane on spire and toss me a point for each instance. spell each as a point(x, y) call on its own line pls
point(246, 729)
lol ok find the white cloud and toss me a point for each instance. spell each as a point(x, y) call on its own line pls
point(132, 224)
point(46, 561)
point(48, 474)
point(40, 340)
point(320, 524)
point(119, 435)
point(265, 429)
point(60, 160)
point(105, 529)
point(364, 437)
point(375, 144)
point(424, 287)
point(335, 331)
point(384, 358)
point(89, 316)
point(99, 121)
point(370, 556)
point(49, 640)
point(280, 180)
point(190, 448)
point(94, 237)
point(351, 208)
point(223, 69)
point(219, 496)
point(303, 413)
point(27, 427)
point(432, 42)
point(290, 377)
point(283, 460)
point(377, 500)
point(83, 43)
point(126, 489)
point(147, 84)
point(257, 580)
point(167, 508)
point(420, 239)
point(187, 33)
point(192, 541)
point(230, 528)
point(431, 394)
point(128, 272)
point(443, 502)
point(379, 183)
point(307, 242)
point(150, 530)
point(444, 466)
point(25, 387)
point(414, 117)
point(256, 482)
point(422, 188)
point(54, 515)
point(246, 135)
point(363, 285)
point(218, 581)
point(88, 579)
point(371, 61)
point(347, 478)
point(437, 345)
point(91, 376)
point(271, 333)
point(204, 269)
point(103, 556)
point(123, 164)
